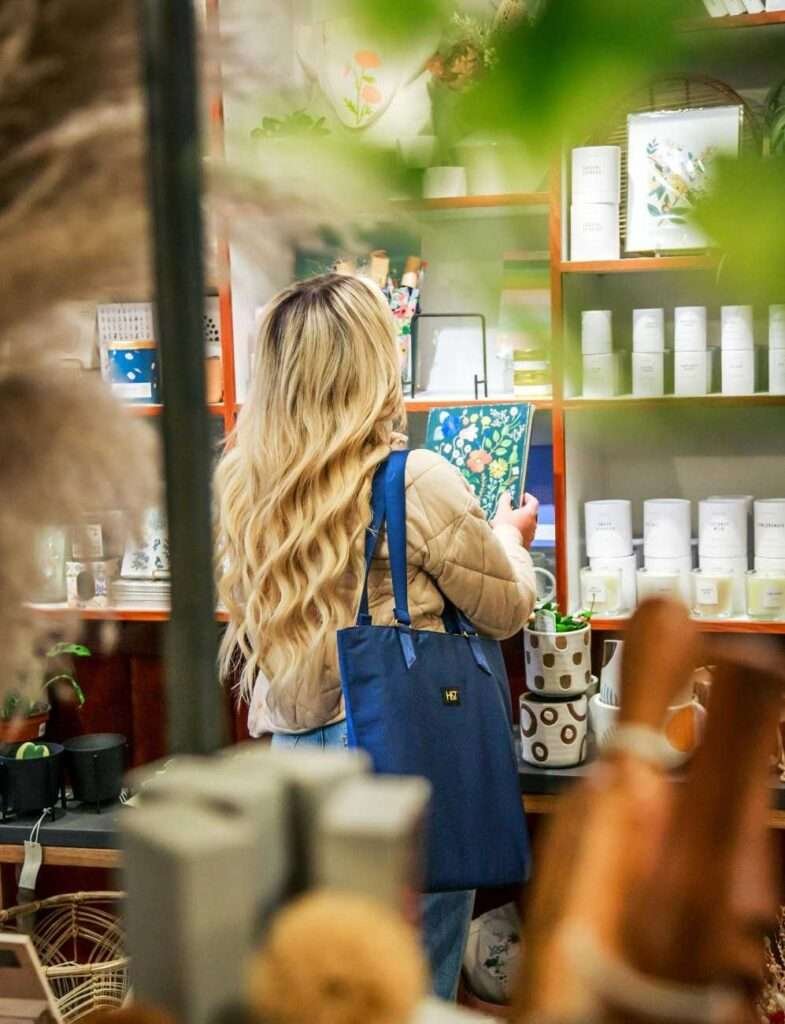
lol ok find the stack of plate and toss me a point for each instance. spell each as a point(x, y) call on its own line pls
point(142, 593)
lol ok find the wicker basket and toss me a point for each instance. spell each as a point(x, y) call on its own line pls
point(79, 939)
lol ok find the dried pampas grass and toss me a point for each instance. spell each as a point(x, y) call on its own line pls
point(337, 958)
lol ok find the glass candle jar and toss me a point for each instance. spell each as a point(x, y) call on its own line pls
point(766, 595)
point(660, 584)
point(712, 594)
point(601, 591)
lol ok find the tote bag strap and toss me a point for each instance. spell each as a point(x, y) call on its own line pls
point(372, 533)
point(395, 494)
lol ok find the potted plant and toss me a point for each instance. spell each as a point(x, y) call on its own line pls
point(298, 124)
point(558, 652)
point(23, 717)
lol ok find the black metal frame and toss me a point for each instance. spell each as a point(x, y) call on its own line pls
point(451, 316)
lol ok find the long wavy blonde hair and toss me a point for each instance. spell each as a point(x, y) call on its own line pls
point(294, 484)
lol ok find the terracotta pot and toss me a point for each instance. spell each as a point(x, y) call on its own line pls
point(21, 730)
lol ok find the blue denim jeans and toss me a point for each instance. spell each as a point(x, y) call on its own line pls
point(446, 916)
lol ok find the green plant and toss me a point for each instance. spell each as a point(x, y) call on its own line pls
point(293, 125)
point(555, 622)
point(17, 704)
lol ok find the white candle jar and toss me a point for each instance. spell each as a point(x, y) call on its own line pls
point(648, 330)
point(712, 594)
point(594, 231)
point(690, 331)
point(596, 174)
point(600, 376)
point(608, 528)
point(738, 330)
point(648, 374)
point(775, 565)
point(660, 584)
point(738, 371)
point(766, 595)
point(596, 332)
point(626, 565)
point(769, 515)
point(692, 372)
point(735, 567)
point(601, 592)
point(723, 528)
point(667, 528)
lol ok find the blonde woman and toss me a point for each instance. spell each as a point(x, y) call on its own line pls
point(294, 495)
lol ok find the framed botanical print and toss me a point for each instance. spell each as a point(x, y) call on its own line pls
point(671, 158)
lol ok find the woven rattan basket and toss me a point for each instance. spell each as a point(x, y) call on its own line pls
point(675, 92)
point(79, 939)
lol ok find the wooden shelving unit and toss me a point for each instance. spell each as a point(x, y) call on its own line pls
point(640, 264)
point(734, 625)
point(124, 614)
point(734, 21)
point(475, 202)
point(426, 404)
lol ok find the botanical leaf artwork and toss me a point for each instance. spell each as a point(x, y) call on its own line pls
point(489, 444)
point(678, 179)
point(366, 96)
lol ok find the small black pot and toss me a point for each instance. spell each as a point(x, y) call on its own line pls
point(27, 787)
point(96, 764)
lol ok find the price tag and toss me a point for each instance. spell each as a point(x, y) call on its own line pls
point(774, 595)
point(707, 592)
point(28, 876)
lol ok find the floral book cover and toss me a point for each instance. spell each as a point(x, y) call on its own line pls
point(489, 444)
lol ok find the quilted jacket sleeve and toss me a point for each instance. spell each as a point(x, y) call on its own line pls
point(485, 571)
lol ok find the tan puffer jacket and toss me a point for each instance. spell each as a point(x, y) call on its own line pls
point(485, 571)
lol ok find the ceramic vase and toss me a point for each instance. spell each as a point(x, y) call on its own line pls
point(558, 664)
point(553, 732)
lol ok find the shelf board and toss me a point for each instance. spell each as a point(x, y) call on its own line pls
point(475, 202)
point(144, 411)
point(678, 401)
point(426, 404)
point(641, 264)
point(704, 625)
point(122, 614)
point(734, 21)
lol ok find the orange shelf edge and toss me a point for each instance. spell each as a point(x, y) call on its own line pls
point(426, 404)
point(734, 21)
point(640, 264)
point(704, 625)
point(488, 202)
point(61, 611)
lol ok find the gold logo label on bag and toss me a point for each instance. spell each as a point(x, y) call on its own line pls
point(451, 697)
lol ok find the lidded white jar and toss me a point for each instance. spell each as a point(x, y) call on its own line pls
point(723, 528)
point(769, 518)
point(608, 528)
point(666, 528)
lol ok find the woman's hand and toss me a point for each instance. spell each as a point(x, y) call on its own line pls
point(524, 519)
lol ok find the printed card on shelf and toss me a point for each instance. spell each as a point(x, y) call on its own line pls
point(489, 444)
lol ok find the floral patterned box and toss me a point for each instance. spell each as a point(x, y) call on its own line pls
point(489, 444)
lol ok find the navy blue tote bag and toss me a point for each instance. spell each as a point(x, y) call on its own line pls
point(436, 705)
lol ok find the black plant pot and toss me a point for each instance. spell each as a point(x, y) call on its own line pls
point(96, 764)
point(30, 786)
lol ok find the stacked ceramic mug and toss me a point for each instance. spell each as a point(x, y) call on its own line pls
point(766, 584)
point(738, 350)
point(648, 352)
point(718, 589)
point(600, 362)
point(554, 711)
point(596, 194)
point(667, 549)
point(608, 585)
point(692, 356)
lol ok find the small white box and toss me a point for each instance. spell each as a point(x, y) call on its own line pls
point(648, 374)
point(777, 371)
point(628, 566)
point(776, 326)
point(608, 528)
point(723, 528)
point(648, 330)
point(769, 519)
point(692, 372)
point(738, 371)
point(601, 376)
point(738, 327)
point(596, 332)
point(737, 567)
point(594, 231)
point(775, 5)
point(667, 527)
point(596, 174)
point(689, 328)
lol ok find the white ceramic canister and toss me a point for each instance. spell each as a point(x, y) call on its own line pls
point(667, 528)
point(690, 328)
point(763, 564)
point(747, 500)
point(553, 732)
point(596, 332)
point(596, 174)
point(558, 664)
point(608, 528)
point(444, 182)
point(648, 374)
point(737, 569)
point(683, 728)
point(594, 231)
point(692, 372)
point(769, 520)
point(777, 327)
point(723, 525)
point(600, 376)
point(627, 565)
point(738, 371)
point(766, 595)
point(648, 330)
point(777, 371)
point(738, 327)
